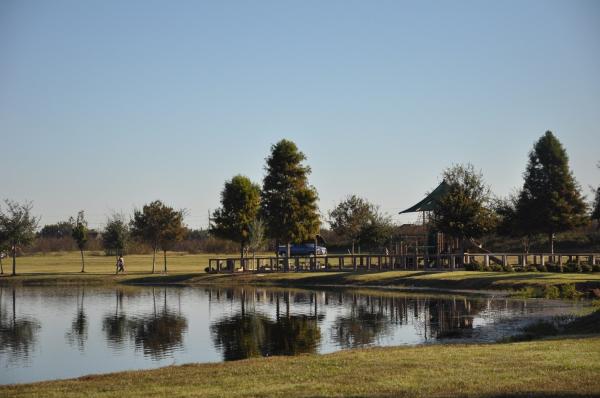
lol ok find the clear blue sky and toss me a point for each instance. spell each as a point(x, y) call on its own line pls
point(106, 105)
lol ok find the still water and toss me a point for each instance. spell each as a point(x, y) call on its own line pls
point(52, 333)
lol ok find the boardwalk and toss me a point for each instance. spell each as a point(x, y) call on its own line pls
point(365, 262)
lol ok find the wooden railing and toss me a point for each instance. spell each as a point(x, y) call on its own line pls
point(356, 262)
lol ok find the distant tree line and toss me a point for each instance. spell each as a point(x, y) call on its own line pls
point(283, 210)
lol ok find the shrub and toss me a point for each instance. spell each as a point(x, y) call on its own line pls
point(508, 268)
point(596, 268)
point(554, 267)
point(496, 268)
point(531, 268)
point(541, 268)
point(572, 267)
point(473, 266)
point(586, 268)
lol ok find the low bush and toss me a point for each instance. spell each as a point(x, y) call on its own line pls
point(586, 268)
point(531, 268)
point(508, 268)
point(572, 268)
point(541, 268)
point(596, 268)
point(496, 268)
point(554, 267)
point(473, 266)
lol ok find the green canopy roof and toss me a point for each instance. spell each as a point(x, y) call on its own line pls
point(428, 204)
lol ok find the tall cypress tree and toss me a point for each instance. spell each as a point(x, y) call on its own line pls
point(550, 200)
point(289, 203)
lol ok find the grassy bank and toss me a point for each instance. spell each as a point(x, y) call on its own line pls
point(63, 268)
point(546, 368)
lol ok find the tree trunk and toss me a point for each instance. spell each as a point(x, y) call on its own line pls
point(165, 257)
point(82, 261)
point(1, 267)
point(551, 241)
point(242, 256)
point(153, 258)
point(14, 258)
point(277, 253)
point(287, 258)
point(352, 246)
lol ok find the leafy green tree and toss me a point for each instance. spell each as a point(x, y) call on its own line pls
point(173, 231)
point(59, 230)
point(510, 222)
point(359, 221)
point(240, 204)
point(351, 217)
point(378, 231)
point(551, 198)
point(148, 225)
point(289, 203)
point(18, 226)
point(464, 212)
point(596, 208)
point(116, 235)
point(79, 232)
point(4, 247)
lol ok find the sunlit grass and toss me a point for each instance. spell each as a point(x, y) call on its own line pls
point(568, 367)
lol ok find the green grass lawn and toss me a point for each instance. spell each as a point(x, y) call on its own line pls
point(189, 269)
point(547, 368)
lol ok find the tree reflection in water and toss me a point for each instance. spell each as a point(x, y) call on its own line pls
point(251, 334)
point(78, 333)
point(157, 334)
point(114, 324)
point(17, 334)
point(363, 325)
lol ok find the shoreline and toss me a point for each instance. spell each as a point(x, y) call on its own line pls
point(523, 284)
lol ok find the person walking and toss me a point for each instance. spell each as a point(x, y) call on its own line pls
point(120, 264)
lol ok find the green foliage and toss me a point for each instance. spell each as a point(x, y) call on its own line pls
point(596, 268)
point(116, 235)
point(552, 267)
point(79, 230)
point(240, 204)
point(359, 221)
point(465, 210)
point(586, 268)
point(508, 268)
point(572, 267)
point(59, 230)
point(496, 268)
point(159, 226)
point(17, 226)
point(541, 268)
point(596, 208)
point(550, 200)
point(351, 217)
point(289, 203)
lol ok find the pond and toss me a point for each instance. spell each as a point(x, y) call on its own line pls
point(60, 332)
